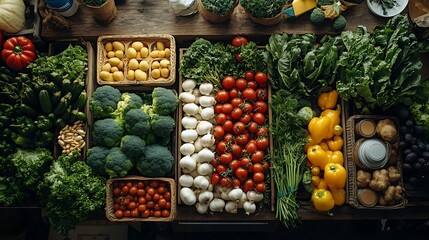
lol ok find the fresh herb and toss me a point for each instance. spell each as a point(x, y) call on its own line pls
point(386, 4)
point(263, 8)
point(218, 7)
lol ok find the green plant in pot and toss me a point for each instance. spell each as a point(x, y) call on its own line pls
point(104, 11)
point(268, 10)
point(216, 11)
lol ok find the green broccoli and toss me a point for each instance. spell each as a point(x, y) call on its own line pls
point(107, 133)
point(157, 162)
point(317, 16)
point(162, 126)
point(339, 23)
point(117, 163)
point(128, 101)
point(96, 159)
point(137, 122)
point(104, 101)
point(325, 2)
point(164, 101)
point(133, 146)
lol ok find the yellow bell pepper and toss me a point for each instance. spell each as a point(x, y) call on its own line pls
point(327, 100)
point(324, 145)
point(317, 156)
point(336, 144)
point(319, 128)
point(335, 175)
point(335, 157)
point(334, 116)
point(322, 184)
point(339, 195)
point(338, 130)
point(322, 200)
point(315, 181)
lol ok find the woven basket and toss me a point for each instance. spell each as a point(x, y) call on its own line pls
point(352, 168)
point(110, 214)
point(214, 17)
point(149, 40)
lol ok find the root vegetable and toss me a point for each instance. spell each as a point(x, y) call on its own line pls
point(205, 155)
point(187, 163)
point(187, 149)
point(205, 169)
point(231, 207)
point(387, 130)
point(207, 113)
point(204, 127)
point(206, 88)
point(187, 97)
point(205, 197)
point(186, 180)
point(249, 207)
point(380, 180)
point(188, 196)
point(201, 182)
point(394, 174)
point(191, 109)
point(189, 122)
point(202, 208)
point(217, 205)
point(363, 178)
point(189, 135)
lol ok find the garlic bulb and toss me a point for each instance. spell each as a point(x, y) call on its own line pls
point(202, 208)
point(217, 205)
point(186, 180)
point(187, 196)
point(205, 197)
point(249, 207)
point(231, 207)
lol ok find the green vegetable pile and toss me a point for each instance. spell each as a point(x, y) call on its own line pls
point(263, 8)
point(130, 134)
point(218, 7)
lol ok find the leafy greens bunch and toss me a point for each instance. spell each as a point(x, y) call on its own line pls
point(219, 7)
point(263, 8)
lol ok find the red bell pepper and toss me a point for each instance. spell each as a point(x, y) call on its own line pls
point(18, 53)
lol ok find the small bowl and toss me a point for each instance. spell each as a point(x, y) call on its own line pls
point(376, 8)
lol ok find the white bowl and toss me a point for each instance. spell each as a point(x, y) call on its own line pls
point(376, 9)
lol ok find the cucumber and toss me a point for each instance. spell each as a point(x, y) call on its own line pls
point(81, 100)
point(81, 116)
point(45, 101)
point(62, 106)
point(27, 110)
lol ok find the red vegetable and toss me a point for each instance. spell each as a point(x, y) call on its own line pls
point(18, 53)
point(238, 41)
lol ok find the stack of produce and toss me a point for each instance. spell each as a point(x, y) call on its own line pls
point(129, 133)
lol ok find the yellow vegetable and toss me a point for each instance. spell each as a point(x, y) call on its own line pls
point(160, 46)
point(161, 54)
point(167, 52)
point(106, 67)
point(133, 64)
point(106, 76)
point(119, 54)
point(131, 53)
point(110, 54)
point(137, 45)
point(144, 52)
point(156, 73)
point(155, 65)
point(121, 66)
point(130, 75)
point(114, 61)
point(140, 75)
point(118, 46)
point(108, 47)
point(154, 53)
point(114, 69)
point(165, 72)
point(118, 76)
point(164, 63)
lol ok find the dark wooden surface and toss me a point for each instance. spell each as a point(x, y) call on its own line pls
point(156, 17)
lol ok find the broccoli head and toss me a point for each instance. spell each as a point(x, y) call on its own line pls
point(133, 146)
point(137, 122)
point(339, 23)
point(128, 101)
point(107, 133)
point(164, 101)
point(157, 161)
point(96, 159)
point(162, 126)
point(317, 16)
point(104, 101)
point(117, 163)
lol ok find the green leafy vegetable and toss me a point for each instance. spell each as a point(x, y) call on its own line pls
point(219, 7)
point(263, 8)
point(385, 4)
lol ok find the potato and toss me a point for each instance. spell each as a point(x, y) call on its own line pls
point(108, 47)
point(118, 46)
point(160, 46)
point(130, 75)
point(144, 65)
point(133, 64)
point(164, 63)
point(154, 53)
point(106, 76)
point(114, 61)
point(144, 52)
point(161, 54)
point(156, 73)
point(167, 52)
point(121, 66)
point(140, 75)
point(114, 69)
point(110, 54)
point(131, 53)
point(106, 67)
point(155, 65)
point(137, 45)
point(119, 54)
point(165, 72)
point(118, 76)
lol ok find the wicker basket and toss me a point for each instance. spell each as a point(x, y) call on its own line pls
point(213, 17)
point(352, 167)
point(148, 41)
point(109, 200)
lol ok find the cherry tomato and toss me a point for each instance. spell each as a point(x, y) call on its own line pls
point(228, 82)
point(251, 147)
point(244, 162)
point(245, 118)
point(241, 173)
point(131, 205)
point(241, 84)
point(146, 213)
point(167, 196)
point(261, 94)
point(124, 190)
point(161, 190)
point(226, 181)
point(162, 202)
point(220, 118)
point(260, 107)
point(141, 208)
point(133, 190)
point(228, 138)
point(262, 143)
point(248, 185)
point(215, 178)
point(221, 168)
point(116, 191)
point(265, 166)
point(242, 139)
point(262, 131)
point(238, 128)
point(119, 214)
point(238, 41)
point(222, 96)
point(249, 94)
point(246, 107)
point(227, 126)
point(165, 213)
point(260, 187)
point(258, 177)
point(257, 156)
point(252, 84)
point(233, 93)
point(238, 57)
point(234, 164)
point(157, 213)
point(227, 108)
point(140, 184)
point(259, 118)
point(156, 197)
point(218, 132)
point(142, 200)
point(150, 204)
point(257, 167)
point(261, 78)
point(225, 158)
point(235, 102)
point(218, 108)
point(236, 182)
point(253, 127)
point(236, 113)
point(127, 213)
point(221, 147)
point(236, 150)
point(249, 75)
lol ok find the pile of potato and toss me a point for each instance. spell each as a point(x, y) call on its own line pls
point(113, 70)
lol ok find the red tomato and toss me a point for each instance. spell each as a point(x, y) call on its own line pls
point(242, 139)
point(253, 127)
point(252, 84)
point(236, 183)
point(131, 205)
point(251, 147)
point(266, 166)
point(260, 107)
point(225, 158)
point(133, 190)
point(258, 177)
point(257, 156)
point(218, 108)
point(234, 164)
point(261, 78)
point(215, 178)
point(261, 94)
point(259, 118)
point(262, 143)
point(238, 128)
point(241, 84)
point(238, 57)
point(228, 138)
point(227, 108)
point(235, 102)
point(233, 93)
point(244, 162)
point(262, 131)
point(227, 126)
point(238, 41)
point(165, 213)
point(221, 168)
point(222, 96)
point(215, 161)
point(249, 75)
point(116, 191)
point(246, 107)
point(218, 132)
point(248, 185)
point(226, 181)
point(228, 82)
point(241, 173)
point(249, 94)
point(119, 214)
point(245, 118)
point(220, 118)
point(260, 187)
point(257, 167)
point(236, 113)
point(221, 147)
